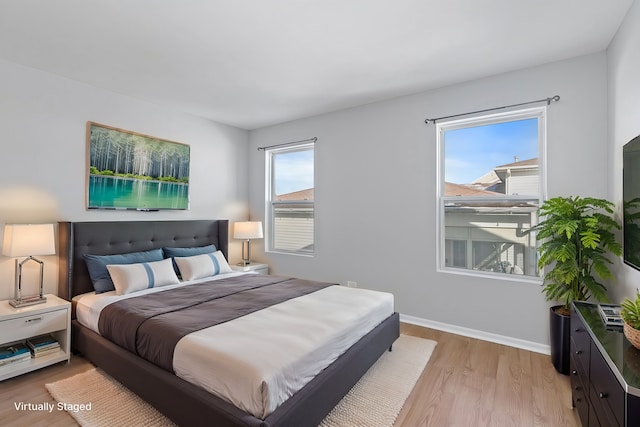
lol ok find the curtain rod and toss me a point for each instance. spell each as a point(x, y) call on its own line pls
point(314, 139)
point(547, 100)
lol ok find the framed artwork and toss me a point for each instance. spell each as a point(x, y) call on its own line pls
point(128, 170)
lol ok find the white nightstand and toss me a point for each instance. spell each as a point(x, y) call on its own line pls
point(254, 266)
point(17, 324)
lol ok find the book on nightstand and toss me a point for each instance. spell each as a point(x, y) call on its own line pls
point(42, 345)
point(14, 352)
point(46, 351)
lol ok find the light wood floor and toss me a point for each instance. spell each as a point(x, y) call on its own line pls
point(467, 382)
point(470, 382)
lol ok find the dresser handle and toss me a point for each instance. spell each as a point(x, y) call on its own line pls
point(574, 372)
point(578, 351)
point(34, 319)
point(602, 395)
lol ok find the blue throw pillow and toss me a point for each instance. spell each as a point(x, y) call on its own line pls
point(184, 252)
point(97, 266)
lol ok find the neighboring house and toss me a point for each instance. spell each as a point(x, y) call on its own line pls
point(519, 177)
point(293, 228)
point(489, 234)
point(490, 181)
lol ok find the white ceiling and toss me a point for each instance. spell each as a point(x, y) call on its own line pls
point(253, 63)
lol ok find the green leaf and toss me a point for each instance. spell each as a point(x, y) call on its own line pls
point(565, 226)
point(590, 239)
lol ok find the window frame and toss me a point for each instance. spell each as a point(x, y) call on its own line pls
point(539, 113)
point(270, 204)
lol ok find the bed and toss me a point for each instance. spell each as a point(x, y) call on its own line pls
point(180, 400)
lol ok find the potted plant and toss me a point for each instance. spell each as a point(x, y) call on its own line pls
point(630, 314)
point(574, 238)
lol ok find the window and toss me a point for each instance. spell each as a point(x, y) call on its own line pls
point(491, 184)
point(290, 199)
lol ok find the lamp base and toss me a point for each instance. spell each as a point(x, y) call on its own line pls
point(25, 301)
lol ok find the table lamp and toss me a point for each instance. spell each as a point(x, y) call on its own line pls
point(28, 240)
point(247, 230)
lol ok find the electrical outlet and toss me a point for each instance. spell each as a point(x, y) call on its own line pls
point(352, 284)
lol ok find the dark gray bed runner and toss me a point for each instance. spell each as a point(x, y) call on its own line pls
point(151, 325)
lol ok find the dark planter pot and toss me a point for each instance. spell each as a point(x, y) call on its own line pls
point(560, 334)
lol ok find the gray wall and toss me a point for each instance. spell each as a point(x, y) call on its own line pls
point(43, 138)
point(376, 195)
point(623, 58)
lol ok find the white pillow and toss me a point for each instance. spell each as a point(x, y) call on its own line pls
point(205, 265)
point(129, 278)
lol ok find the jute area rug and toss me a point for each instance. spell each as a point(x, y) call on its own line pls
point(376, 400)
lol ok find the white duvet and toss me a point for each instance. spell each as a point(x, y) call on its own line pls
point(258, 361)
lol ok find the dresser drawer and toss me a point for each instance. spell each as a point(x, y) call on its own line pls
point(579, 393)
point(607, 395)
point(602, 409)
point(580, 344)
point(31, 325)
point(580, 356)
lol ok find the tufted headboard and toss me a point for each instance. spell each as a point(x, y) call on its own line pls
point(76, 239)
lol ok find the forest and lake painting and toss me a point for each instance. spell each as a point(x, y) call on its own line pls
point(128, 170)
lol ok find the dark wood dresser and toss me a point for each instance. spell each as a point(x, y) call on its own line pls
point(605, 371)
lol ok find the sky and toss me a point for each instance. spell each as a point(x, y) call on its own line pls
point(472, 152)
point(293, 171)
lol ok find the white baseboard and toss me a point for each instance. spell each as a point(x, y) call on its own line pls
point(481, 335)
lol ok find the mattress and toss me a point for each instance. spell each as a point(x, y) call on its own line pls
point(256, 362)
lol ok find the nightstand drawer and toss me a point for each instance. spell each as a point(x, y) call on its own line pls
point(32, 325)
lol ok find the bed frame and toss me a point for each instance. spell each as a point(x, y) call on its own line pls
point(182, 402)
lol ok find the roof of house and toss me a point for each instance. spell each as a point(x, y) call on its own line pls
point(488, 179)
point(451, 189)
point(519, 164)
point(297, 195)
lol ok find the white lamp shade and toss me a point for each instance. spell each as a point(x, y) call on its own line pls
point(28, 239)
point(247, 230)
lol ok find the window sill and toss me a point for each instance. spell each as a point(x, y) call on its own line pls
point(300, 254)
point(489, 275)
